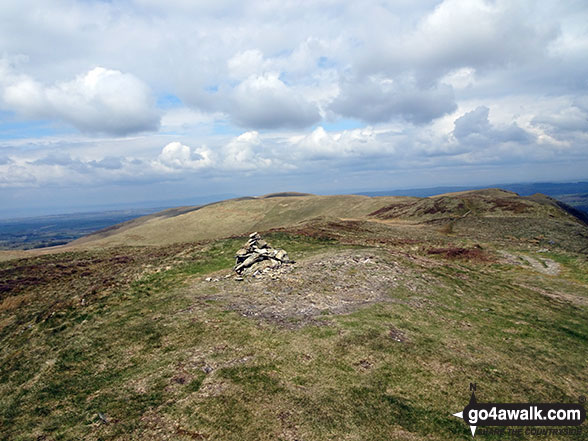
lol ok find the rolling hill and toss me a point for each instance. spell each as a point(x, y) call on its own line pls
point(393, 307)
point(232, 217)
point(238, 216)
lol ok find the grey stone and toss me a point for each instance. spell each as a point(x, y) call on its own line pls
point(254, 257)
point(258, 255)
point(282, 255)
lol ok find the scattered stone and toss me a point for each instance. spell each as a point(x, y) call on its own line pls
point(207, 369)
point(397, 335)
point(239, 279)
point(258, 257)
point(365, 364)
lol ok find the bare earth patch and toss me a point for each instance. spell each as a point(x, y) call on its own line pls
point(542, 265)
point(299, 294)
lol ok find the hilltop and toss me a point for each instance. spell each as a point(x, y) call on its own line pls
point(394, 305)
point(232, 218)
point(283, 210)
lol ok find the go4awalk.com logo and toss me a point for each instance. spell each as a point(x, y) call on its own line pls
point(555, 415)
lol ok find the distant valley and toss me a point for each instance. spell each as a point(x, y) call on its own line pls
point(47, 231)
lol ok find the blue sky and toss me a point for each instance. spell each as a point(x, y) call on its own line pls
point(125, 102)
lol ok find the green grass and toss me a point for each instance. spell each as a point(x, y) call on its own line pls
point(159, 359)
point(576, 266)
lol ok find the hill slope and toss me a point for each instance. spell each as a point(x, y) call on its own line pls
point(477, 203)
point(233, 217)
point(491, 210)
point(374, 333)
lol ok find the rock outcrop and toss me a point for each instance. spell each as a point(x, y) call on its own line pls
point(258, 256)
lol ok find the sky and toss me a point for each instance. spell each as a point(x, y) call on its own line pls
point(122, 102)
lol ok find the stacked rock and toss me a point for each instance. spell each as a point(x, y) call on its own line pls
point(258, 251)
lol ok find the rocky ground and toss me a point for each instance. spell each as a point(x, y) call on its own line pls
point(299, 294)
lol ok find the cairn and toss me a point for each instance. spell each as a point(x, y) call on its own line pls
point(258, 256)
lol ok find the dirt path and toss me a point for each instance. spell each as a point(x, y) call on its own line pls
point(542, 265)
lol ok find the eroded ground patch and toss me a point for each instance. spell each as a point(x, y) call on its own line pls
point(303, 293)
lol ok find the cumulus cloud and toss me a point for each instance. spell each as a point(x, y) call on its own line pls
point(253, 80)
point(239, 62)
point(266, 102)
point(108, 163)
point(458, 34)
point(563, 121)
point(248, 152)
point(380, 99)
point(177, 156)
point(55, 158)
point(246, 63)
point(474, 128)
point(60, 169)
point(99, 101)
point(320, 144)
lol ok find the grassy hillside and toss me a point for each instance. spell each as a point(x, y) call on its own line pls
point(233, 217)
point(480, 203)
point(375, 333)
point(239, 216)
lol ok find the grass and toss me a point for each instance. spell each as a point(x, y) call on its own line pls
point(150, 352)
point(237, 218)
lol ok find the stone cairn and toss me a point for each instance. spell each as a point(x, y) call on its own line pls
point(257, 256)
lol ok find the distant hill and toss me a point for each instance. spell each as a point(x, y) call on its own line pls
point(574, 194)
point(579, 201)
point(550, 189)
point(240, 216)
point(480, 203)
point(233, 217)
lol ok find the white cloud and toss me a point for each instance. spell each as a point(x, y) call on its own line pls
point(381, 99)
point(266, 102)
point(182, 119)
point(469, 34)
point(100, 101)
point(566, 120)
point(460, 78)
point(435, 83)
point(177, 156)
point(358, 143)
point(474, 128)
point(246, 63)
point(245, 152)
